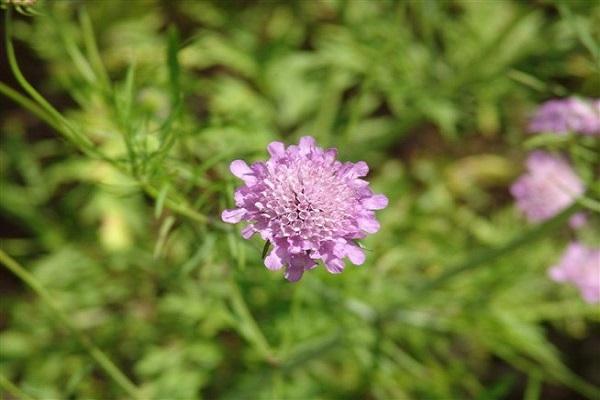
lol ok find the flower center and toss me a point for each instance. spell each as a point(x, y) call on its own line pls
point(307, 199)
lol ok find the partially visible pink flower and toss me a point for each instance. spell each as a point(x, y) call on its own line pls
point(549, 186)
point(567, 115)
point(308, 205)
point(578, 220)
point(580, 265)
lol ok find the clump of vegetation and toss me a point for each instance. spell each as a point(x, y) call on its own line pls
point(120, 120)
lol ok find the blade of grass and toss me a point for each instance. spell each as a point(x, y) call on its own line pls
point(98, 355)
point(92, 48)
point(179, 208)
point(160, 200)
point(29, 105)
point(534, 387)
point(13, 389)
point(249, 327)
point(173, 66)
point(582, 32)
point(163, 235)
point(123, 108)
point(67, 130)
point(78, 59)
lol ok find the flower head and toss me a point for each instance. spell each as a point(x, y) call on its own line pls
point(308, 205)
point(548, 186)
point(567, 115)
point(580, 265)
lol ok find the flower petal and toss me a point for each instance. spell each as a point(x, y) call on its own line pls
point(360, 169)
point(240, 169)
point(355, 254)
point(557, 274)
point(307, 143)
point(375, 202)
point(294, 274)
point(578, 220)
point(334, 265)
point(248, 231)
point(273, 261)
point(233, 216)
point(368, 224)
point(276, 149)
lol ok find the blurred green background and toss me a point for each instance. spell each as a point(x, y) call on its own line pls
point(111, 196)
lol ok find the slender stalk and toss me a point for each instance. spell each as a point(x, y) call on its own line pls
point(28, 104)
point(98, 355)
point(89, 39)
point(250, 328)
point(66, 128)
point(14, 66)
point(13, 389)
point(177, 207)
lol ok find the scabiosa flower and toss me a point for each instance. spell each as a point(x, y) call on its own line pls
point(580, 265)
point(567, 115)
point(548, 187)
point(308, 205)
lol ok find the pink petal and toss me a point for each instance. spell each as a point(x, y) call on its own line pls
point(361, 168)
point(248, 231)
point(240, 169)
point(334, 265)
point(376, 202)
point(355, 254)
point(591, 294)
point(273, 261)
point(276, 149)
point(368, 224)
point(557, 274)
point(307, 142)
point(578, 220)
point(233, 216)
point(294, 274)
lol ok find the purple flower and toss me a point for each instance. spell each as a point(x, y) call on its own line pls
point(308, 205)
point(548, 186)
point(580, 265)
point(567, 115)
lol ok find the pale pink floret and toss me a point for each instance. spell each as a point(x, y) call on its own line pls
point(549, 186)
point(580, 265)
point(567, 115)
point(308, 205)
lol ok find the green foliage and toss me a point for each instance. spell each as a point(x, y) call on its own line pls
point(113, 181)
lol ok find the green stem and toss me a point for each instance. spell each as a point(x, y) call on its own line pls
point(28, 104)
point(249, 328)
point(14, 66)
point(102, 359)
point(13, 389)
point(67, 129)
point(89, 38)
point(175, 206)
